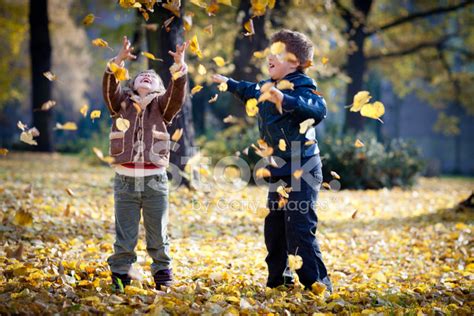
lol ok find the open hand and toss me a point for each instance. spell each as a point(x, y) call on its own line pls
point(179, 54)
point(219, 78)
point(125, 52)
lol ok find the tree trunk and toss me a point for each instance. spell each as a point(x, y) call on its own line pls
point(159, 43)
point(244, 47)
point(356, 64)
point(40, 52)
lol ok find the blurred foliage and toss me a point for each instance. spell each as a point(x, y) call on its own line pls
point(372, 166)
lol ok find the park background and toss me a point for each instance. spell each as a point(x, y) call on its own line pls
point(402, 194)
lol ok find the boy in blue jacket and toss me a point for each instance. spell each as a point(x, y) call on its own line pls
point(290, 228)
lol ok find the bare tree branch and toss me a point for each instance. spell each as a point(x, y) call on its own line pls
point(346, 13)
point(419, 15)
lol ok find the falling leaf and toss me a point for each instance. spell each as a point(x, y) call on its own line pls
point(17, 253)
point(324, 60)
point(354, 214)
point(151, 56)
point(214, 98)
point(49, 75)
point(358, 144)
point(326, 185)
point(285, 85)
point(3, 151)
point(21, 125)
point(167, 23)
point(335, 175)
point(360, 99)
point(177, 135)
point(230, 119)
point(295, 262)
point(305, 125)
point(248, 26)
point(262, 173)
point(95, 114)
point(27, 137)
point(298, 173)
point(173, 6)
point(194, 47)
point(261, 54)
point(187, 22)
point(68, 126)
point(373, 110)
point(23, 218)
point(209, 30)
point(282, 145)
point(84, 110)
point(220, 62)
point(281, 190)
point(88, 19)
point(263, 149)
point(122, 124)
point(120, 73)
point(251, 107)
point(196, 89)
point(70, 192)
point(222, 87)
point(100, 43)
point(100, 155)
point(48, 105)
point(277, 48)
point(202, 70)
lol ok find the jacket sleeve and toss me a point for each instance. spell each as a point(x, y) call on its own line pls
point(306, 105)
point(173, 99)
point(112, 91)
point(243, 90)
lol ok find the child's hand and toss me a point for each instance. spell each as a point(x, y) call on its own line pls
point(179, 54)
point(276, 96)
point(219, 78)
point(125, 52)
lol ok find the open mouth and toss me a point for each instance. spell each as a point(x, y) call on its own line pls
point(147, 80)
point(271, 66)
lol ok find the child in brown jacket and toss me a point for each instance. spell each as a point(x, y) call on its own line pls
point(139, 144)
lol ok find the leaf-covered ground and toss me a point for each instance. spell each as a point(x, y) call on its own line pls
point(405, 251)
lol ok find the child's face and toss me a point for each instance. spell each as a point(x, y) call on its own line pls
point(279, 67)
point(146, 81)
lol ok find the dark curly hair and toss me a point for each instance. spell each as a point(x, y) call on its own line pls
point(296, 43)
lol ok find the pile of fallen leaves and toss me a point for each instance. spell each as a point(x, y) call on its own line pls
point(387, 251)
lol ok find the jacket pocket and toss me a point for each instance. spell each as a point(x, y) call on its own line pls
point(117, 143)
point(160, 142)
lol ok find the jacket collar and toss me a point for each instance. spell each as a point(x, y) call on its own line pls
point(299, 79)
point(143, 102)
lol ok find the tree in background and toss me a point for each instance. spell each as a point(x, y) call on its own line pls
point(40, 52)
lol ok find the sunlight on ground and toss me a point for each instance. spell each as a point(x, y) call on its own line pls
point(404, 250)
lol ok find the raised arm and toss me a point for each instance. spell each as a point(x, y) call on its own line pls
point(111, 89)
point(243, 90)
point(173, 99)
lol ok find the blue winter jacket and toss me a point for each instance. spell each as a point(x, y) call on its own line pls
point(298, 105)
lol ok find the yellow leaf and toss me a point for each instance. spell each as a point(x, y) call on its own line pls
point(220, 62)
point(277, 48)
point(281, 190)
point(100, 43)
point(335, 175)
point(84, 110)
point(305, 125)
point(324, 60)
point(68, 126)
point(285, 84)
point(282, 144)
point(188, 22)
point(3, 151)
point(295, 262)
point(119, 72)
point(196, 89)
point(261, 54)
point(151, 56)
point(194, 46)
point(248, 26)
point(23, 218)
point(251, 107)
point(202, 70)
point(358, 144)
point(122, 124)
point(298, 173)
point(326, 185)
point(49, 75)
point(373, 110)
point(214, 98)
point(262, 173)
point(379, 276)
point(48, 105)
point(318, 288)
point(27, 137)
point(95, 114)
point(173, 6)
point(222, 87)
point(360, 99)
point(88, 19)
point(177, 135)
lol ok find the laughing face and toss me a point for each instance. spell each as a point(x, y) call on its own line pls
point(146, 81)
point(279, 67)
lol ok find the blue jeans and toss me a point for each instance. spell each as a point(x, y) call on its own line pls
point(292, 230)
point(131, 195)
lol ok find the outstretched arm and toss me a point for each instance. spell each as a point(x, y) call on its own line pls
point(173, 99)
point(111, 89)
point(244, 90)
